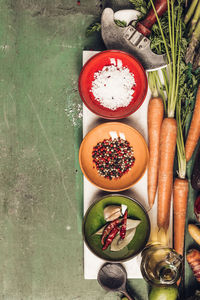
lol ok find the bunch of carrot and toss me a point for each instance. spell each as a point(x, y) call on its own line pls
point(167, 128)
point(165, 132)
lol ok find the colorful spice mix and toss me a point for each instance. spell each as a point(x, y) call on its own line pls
point(113, 157)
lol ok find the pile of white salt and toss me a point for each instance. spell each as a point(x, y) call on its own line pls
point(113, 86)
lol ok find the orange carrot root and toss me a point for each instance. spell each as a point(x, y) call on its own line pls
point(194, 131)
point(155, 118)
point(165, 176)
point(180, 193)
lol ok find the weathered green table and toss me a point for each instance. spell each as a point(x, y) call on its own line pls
point(41, 246)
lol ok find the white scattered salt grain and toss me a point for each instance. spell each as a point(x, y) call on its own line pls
point(113, 61)
point(113, 85)
point(119, 63)
point(74, 113)
point(122, 135)
point(113, 135)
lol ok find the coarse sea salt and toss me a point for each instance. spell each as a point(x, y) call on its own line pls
point(113, 86)
point(114, 135)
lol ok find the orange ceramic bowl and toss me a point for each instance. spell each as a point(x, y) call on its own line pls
point(98, 134)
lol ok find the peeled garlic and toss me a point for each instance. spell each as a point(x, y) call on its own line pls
point(112, 212)
point(123, 208)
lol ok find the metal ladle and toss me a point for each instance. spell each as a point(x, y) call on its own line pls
point(112, 277)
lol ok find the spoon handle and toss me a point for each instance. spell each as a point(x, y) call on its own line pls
point(127, 295)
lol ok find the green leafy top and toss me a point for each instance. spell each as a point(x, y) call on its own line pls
point(94, 27)
point(141, 6)
point(169, 36)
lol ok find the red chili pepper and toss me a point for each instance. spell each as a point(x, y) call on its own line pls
point(110, 238)
point(108, 229)
point(123, 227)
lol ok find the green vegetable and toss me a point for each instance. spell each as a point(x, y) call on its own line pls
point(194, 42)
point(181, 84)
point(192, 20)
point(94, 27)
point(156, 87)
point(141, 6)
point(163, 293)
point(190, 11)
point(173, 51)
point(120, 23)
point(184, 108)
point(195, 18)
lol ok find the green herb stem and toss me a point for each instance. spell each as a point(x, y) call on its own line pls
point(156, 86)
point(152, 80)
point(161, 90)
point(180, 142)
point(172, 79)
point(178, 62)
point(162, 34)
point(190, 11)
point(195, 19)
point(196, 32)
point(166, 82)
point(193, 44)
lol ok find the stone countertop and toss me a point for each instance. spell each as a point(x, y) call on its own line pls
point(41, 184)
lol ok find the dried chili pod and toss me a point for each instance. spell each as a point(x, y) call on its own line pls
point(108, 229)
point(110, 237)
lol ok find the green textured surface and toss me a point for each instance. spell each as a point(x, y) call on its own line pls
point(41, 247)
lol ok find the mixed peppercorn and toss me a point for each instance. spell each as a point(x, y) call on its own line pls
point(113, 157)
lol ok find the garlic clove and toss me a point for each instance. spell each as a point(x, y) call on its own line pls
point(112, 212)
point(123, 208)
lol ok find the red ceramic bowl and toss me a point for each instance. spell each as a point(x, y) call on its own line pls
point(95, 64)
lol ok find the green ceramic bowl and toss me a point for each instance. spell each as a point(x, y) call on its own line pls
point(94, 220)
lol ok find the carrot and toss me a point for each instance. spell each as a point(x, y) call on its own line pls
point(194, 131)
point(193, 259)
point(168, 133)
point(180, 193)
point(154, 119)
point(165, 174)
